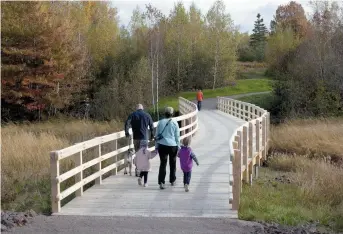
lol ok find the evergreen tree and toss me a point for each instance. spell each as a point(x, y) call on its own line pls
point(258, 38)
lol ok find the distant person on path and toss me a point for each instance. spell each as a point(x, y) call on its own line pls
point(139, 121)
point(167, 143)
point(187, 156)
point(142, 161)
point(200, 97)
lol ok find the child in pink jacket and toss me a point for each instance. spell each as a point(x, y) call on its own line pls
point(142, 161)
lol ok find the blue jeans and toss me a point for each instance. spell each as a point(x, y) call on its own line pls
point(187, 177)
point(199, 105)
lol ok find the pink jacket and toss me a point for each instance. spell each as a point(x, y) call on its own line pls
point(142, 159)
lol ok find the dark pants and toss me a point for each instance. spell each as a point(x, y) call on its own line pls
point(187, 177)
point(145, 175)
point(164, 151)
point(136, 143)
point(199, 105)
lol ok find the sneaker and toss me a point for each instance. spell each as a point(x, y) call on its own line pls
point(186, 188)
point(139, 181)
point(145, 185)
point(173, 184)
point(162, 186)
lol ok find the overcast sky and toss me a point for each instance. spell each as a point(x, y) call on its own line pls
point(243, 12)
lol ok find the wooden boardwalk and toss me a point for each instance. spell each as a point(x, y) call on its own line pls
point(209, 188)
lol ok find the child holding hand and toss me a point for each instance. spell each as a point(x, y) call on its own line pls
point(142, 161)
point(187, 156)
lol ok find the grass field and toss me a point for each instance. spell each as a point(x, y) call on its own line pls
point(241, 86)
point(25, 162)
point(300, 184)
point(264, 100)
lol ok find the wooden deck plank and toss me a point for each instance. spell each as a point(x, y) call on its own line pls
point(209, 189)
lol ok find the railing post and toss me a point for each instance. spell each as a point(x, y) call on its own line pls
point(191, 122)
point(268, 132)
point(55, 186)
point(237, 174)
point(182, 125)
point(98, 168)
point(245, 153)
point(196, 125)
point(79, 176)
point(240, 147)
point(229, 107)
point(116, 157)
point(258, 148)
point(251, 150)
point(264, 154)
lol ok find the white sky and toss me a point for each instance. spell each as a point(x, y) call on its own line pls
point(243, 12)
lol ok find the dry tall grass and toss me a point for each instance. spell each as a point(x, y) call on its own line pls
point(299, 152)
point(314, 137)
point(25, 162)
point(320, 182)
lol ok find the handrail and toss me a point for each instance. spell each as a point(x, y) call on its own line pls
point(249, 143)
point(189, 126)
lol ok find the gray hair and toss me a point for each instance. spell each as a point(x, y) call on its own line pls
point(169, 110)
point(139, 107)
point(186, 141)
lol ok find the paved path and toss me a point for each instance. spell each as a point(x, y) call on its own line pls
point(134, 225)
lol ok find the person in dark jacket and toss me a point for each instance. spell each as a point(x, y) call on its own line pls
point(139, 121)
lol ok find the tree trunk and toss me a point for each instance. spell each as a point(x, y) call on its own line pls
point(157, 55)
point(216, 58)
point(152, 76)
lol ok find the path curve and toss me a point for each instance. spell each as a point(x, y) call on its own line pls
point(211, 103)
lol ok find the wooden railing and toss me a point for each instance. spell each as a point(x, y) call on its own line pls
point(249, 143)
point(96, 160)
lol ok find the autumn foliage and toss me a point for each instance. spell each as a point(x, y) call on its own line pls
point(39, 50)
point(306, 59)
point(56, 55)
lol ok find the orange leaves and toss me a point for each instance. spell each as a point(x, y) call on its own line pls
point(292, 16)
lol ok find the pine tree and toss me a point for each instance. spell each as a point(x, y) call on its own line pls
point(258, 38)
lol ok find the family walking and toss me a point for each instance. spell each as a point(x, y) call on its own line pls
point(167, 143)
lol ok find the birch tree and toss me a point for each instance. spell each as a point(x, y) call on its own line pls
point(221, 43)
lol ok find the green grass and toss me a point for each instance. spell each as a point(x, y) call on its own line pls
point(256, 74)
point(272, 201)
point(241, 87)
point(264, 100)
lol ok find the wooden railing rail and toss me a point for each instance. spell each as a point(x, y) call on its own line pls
point(189, 126)
point(249, 143)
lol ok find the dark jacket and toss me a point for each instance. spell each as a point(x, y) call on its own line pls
point(139, 122)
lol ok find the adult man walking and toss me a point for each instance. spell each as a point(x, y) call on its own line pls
point(200, 97)
point(139, 121)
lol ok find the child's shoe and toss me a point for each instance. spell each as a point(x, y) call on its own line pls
point(140, 181)
point(186, 188)
point(162, 186)
point(145, 185)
